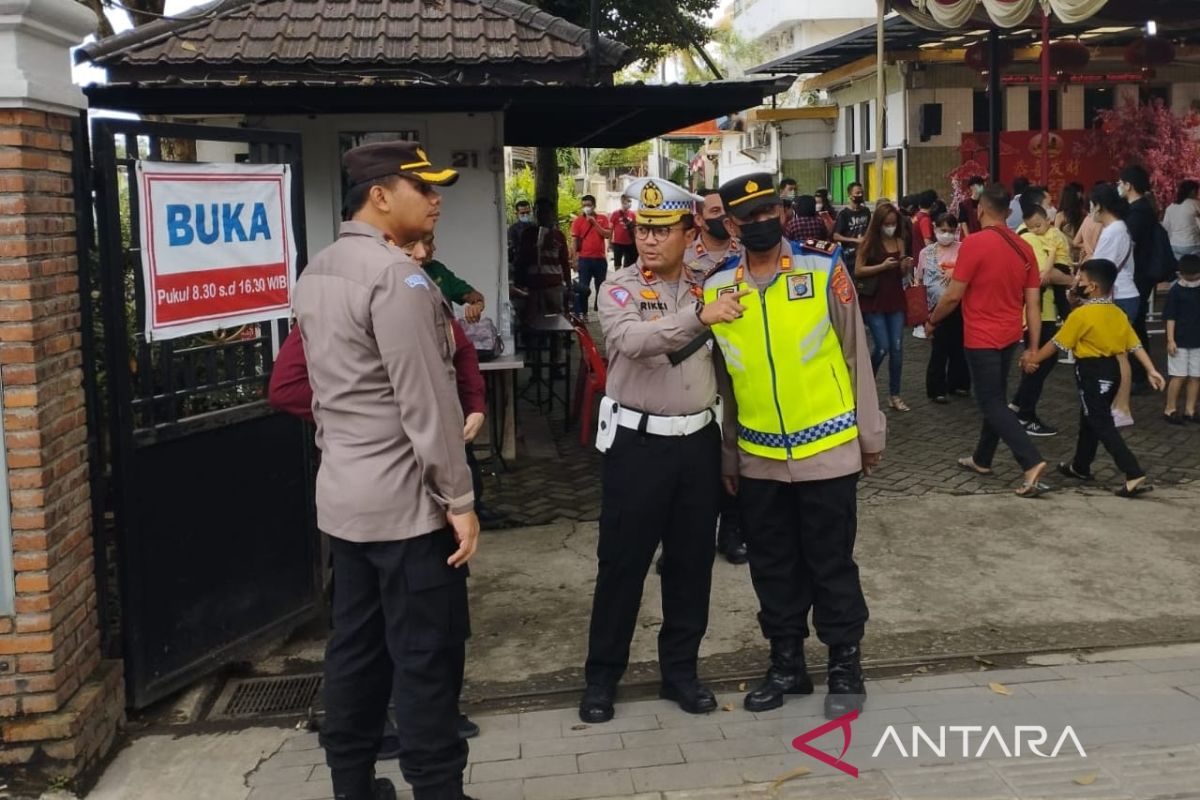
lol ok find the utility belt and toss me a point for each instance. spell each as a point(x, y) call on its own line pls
point(613, 416)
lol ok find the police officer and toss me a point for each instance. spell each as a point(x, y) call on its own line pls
point(804, 422)
point(711, 244)
point(661, 475)
point(393, 490)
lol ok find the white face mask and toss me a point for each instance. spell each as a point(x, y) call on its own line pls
point(889, 230)
point(1189, 284)
point(820, 207)
point(945, 238)
point(1122, 190)
point(976, 192)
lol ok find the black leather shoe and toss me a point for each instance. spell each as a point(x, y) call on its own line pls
point(735, 553)
point(692, 696)
point(466, 728)
point(847, 691)
point(384, 789)
point(787, 674)
point(597, 704)
point(730, 543)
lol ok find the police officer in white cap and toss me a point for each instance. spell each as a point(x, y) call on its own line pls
point(658, 429)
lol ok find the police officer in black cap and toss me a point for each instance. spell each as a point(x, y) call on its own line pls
point(394, 491)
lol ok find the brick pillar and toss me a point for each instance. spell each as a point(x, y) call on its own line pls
point(60, 703)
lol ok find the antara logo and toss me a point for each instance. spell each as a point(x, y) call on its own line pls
point(1024, 738)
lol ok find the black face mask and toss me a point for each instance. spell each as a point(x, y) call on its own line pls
point(759, 237)
point(856, 200)
point(716, 228)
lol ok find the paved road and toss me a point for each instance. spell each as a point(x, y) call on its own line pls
point(922, 447)
point(1134, 714)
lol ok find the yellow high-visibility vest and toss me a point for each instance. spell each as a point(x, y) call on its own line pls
point(794, 395)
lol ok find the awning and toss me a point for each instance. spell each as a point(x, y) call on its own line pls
point(1120, 22)
point(561, 116)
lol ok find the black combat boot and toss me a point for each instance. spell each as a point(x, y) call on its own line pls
point(847, 692)
point(730, 542)
point(786, 675)
point(362, 787)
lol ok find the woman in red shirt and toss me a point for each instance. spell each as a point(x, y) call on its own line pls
point(882, 266)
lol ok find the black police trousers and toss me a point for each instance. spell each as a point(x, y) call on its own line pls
point(800, 541)
point(400, 625)
point(655, 488)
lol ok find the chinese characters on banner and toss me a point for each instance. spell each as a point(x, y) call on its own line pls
point(1078, 156)
point(217, 245)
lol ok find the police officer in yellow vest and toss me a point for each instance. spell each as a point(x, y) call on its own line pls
point(805, 422)
point(661, 478)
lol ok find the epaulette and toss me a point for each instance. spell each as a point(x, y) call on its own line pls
point(729, 262)
point(819, 246)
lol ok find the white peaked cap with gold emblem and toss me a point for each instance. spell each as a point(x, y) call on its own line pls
point(661, 202)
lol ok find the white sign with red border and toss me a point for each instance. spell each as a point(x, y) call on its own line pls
point(217, 245)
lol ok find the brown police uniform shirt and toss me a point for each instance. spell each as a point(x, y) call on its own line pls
point(700, 259)
point(845, 459)
point(644, 318)
point(379, 344)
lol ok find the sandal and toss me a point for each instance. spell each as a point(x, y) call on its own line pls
point(1125, 491)
point(970, 466)
point(899, 405)
point(1032, 490)
point(1174, 417)
point(1068, 470)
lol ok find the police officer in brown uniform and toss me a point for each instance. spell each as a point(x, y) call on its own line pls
point(393, 491)
point(661, 474)
point(710, 246)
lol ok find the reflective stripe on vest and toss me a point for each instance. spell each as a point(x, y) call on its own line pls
point(789, 376)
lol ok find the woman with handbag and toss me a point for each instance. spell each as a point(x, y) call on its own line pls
point(879, 276)
point(947, 372)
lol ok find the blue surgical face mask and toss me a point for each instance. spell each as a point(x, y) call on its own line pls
point(525, 217)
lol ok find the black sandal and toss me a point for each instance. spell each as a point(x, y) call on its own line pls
point(1174, 418)
point(1068, 470)
point(1142, 488)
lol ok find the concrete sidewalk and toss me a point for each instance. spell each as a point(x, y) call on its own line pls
point(1135, 713)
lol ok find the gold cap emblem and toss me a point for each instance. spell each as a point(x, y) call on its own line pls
point(751, 187)
point(652, 196)
point(421, 154)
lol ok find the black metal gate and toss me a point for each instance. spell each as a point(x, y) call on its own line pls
point(208, 503)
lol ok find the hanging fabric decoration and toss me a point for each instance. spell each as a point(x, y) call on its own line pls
point(954, 14)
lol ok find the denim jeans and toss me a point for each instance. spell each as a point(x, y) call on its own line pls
point(887, 339)
point(989, 376)
point(591, 271)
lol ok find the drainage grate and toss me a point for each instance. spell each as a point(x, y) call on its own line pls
point(253, 697)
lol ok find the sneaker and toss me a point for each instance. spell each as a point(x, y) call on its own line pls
point(1122, 419)
point(919, 331)
point(1035, 427)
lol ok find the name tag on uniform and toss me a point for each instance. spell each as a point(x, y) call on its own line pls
point(800, 287)
point(725, 290)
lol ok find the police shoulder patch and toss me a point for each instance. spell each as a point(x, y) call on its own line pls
point(621, 296)
point(416, 281)
point(842, 286)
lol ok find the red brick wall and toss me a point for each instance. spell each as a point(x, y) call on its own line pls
point(51, 647)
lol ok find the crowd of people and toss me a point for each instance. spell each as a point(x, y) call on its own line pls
point(744, 329)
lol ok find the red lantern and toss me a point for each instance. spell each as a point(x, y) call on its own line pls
point(976, 56)
point(1068, 57)
point(1149, 52)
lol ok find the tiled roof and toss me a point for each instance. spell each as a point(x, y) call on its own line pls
point(353, 33)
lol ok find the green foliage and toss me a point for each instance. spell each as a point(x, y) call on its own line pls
point(519, 186)
point(650, 28)
point(623, 158)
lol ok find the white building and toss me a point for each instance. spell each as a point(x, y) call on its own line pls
point(785, 26)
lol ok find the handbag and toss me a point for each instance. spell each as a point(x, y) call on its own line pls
point(867, 287)
point(916, 305)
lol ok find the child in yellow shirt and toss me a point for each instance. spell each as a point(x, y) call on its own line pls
point(1098, 331)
